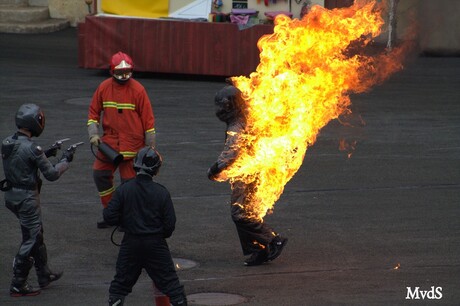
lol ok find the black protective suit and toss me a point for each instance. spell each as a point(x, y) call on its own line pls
point(23, 160)
point(145, 211)
point(254, 235)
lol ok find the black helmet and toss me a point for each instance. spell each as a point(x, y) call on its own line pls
point(30, 117)
point(226, 101)
point(149, 160)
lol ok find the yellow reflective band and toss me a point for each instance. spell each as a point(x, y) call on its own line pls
point(109, 104)
point(116, 105)
point(92, 121)
point(126, 106)
point(107, 192)
point(151, 130)
point(128, 154)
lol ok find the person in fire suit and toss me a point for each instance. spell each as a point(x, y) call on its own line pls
point(127, 124)
point(145, 210)
point(258, 241)
point(23, 160)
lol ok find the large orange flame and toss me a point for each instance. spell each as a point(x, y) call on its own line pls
point(307, 71)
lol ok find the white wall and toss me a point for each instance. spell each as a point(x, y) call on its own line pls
point(439, 24)
point(73, 10)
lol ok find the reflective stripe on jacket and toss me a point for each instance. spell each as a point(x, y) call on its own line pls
point(127, 115)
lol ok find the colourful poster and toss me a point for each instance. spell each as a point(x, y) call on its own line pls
point(136, 8)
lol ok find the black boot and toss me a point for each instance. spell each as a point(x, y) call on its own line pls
point(256, 258)
point(178, 300)
point(116, 300)
point(44, 275)
point(19, 286)
point(276, 247)
point(102, 224)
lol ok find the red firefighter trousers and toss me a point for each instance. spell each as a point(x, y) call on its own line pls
point(103, 174)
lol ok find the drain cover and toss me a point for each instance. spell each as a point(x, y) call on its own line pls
point(215, 298)
point(183, 264)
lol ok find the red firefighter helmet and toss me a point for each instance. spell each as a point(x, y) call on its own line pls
point(121, 67)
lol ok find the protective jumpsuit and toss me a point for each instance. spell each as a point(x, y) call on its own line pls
point(22, 161)
point(145, 210)
point(126, 122)
point(254, 235)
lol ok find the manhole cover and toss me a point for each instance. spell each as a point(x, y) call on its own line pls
point(183, 264)
point(79, 101)
point(215, 298)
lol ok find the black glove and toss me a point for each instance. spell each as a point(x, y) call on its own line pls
point(52, 151)
point(5, 185)
point(67, 155)
point(213, 171)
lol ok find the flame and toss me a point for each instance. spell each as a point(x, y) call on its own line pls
point(259, 245)
point(306, 72)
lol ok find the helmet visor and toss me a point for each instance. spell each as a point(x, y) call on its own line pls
point(122, 74)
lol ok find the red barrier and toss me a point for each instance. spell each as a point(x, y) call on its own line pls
point(160, 298)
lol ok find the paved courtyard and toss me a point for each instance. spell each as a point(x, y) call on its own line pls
point(361, 229)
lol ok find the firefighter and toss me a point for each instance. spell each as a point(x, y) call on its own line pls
point(258, 241)
point(145, 210)
point(127, 124)
point(23, 160)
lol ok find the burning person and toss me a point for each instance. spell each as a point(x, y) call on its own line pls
point(308, 69)
point(258, 240)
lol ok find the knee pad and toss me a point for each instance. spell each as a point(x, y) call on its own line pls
point(103, 179)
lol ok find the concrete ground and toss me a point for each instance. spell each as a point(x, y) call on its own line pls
point(361, 229)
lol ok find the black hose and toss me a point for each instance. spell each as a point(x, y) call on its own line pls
point(100, 159)
point(111, 236)
point(116, 228)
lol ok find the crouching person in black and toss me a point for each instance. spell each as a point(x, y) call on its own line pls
point(145, 211)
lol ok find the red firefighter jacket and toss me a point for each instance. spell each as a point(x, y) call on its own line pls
point(127, 115)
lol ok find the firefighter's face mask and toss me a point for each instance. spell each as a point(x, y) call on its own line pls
point(122, 75)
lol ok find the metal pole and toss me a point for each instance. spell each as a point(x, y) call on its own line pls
point(392, 21)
